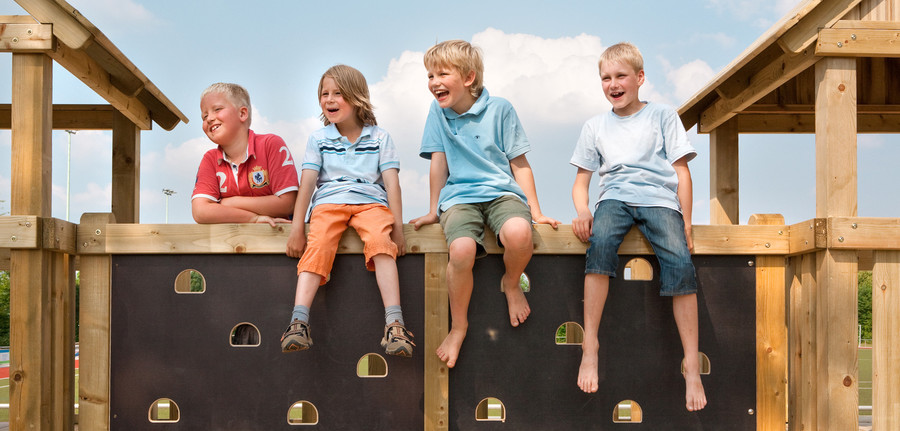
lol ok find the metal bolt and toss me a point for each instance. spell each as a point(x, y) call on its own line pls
point(97, 232)
point(84, 245)
point(750, 412)
point(840, 45)
point(13, 238)
point(29, 32)
point(768, 245)
point(854, 226)
point(840, 239)
point(781, 232)
point(15, 40)
point(853, 36)
point(28, 224)
point(749, 263)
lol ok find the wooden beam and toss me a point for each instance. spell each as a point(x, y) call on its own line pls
point(95, 77)
point(65, 24)
point(93, 385)
point(807, 236)
point(804, 33)
point(771, 336)
point(858, 42)
point(21, 232)
point(854, 233)
point(767, 79)
point(70, 117)
point(437, 326)
point(836, 270)
point(18, 19)
point(126, 170)
point(886, 340)
point(724, 174)
point(802, 409)
point(25, 38)
point(805, 123)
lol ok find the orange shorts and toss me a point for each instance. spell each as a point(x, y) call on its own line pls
point(373, 223)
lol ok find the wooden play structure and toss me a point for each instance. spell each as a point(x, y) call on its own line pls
point(831, 67)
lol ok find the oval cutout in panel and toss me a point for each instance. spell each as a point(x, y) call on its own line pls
point(372, 365)
point(303, 413)
point(569, 333)
point(244, 335)
point(490, 409)
point(164, 410)
point(190, 281)
point(638, 269)
point(628, 411)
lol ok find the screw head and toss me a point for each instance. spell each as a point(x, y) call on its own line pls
point(840, 45)
point(749, 263)
point(97, 232)
point(854, 225)
point(840, 239)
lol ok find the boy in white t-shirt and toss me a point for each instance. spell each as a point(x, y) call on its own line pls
point(640, 151)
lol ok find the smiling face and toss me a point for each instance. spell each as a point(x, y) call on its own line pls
point(620, 86)
point(222, 122)
point(335, 109)
point(450, 88)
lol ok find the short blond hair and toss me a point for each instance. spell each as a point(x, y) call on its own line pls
point(238, 95)
point(623, 52)
point(354, 90)
point(462, 56)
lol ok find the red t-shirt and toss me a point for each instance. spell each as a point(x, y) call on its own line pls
point(268, 170)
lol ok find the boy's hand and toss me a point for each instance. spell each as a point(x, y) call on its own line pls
point(583, 225)
point(296, 242)
point(399, 239)
point(688, 237)
point(542, 219)
point(265, 219)
point(430, 218)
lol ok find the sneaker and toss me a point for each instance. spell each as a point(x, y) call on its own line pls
point(397, 340)
point(296, 337)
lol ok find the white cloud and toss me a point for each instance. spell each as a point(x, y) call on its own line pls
point(120, 15)
point(688, 78)
point(759, 13)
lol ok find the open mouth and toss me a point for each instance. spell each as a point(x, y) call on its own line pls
point(616, 94)
point(440, 94)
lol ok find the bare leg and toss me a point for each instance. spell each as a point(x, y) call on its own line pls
point(388, 279)
point(307, 286)
point(596, 289)
point(685, 309)
point(516, 238)
point(459, 288)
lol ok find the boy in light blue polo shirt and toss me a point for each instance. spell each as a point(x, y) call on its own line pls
point(641, 152)
point(479, 175)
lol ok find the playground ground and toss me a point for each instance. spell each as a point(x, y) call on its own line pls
point(865, 390)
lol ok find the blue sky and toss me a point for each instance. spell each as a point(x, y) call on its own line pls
point(539, 55)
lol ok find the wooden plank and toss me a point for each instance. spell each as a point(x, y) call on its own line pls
point(858, 42)
point(803, 346)
point(771, 336)
point(806, 123)
point(71, 117)
point(25, 38)
point(256, 238)
point(836, 147)
point(767, 79)
point(867, 24)
point(20, 232)
point(58, 235)
point(17, 19)
point(886, 341)
point(126, 170)
point(62, 340)
point(65, 25)
point(807, 236)
point(94, 76)
point(799, 37)
point(4, 259)
point(94, 335)
point(437, 326)
point(31, 140)
point(723, 174)
point(864, 233)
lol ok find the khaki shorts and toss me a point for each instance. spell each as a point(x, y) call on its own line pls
point(468, 220)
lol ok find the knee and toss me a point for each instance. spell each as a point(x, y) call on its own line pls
point(462, 254)
point(516, 234)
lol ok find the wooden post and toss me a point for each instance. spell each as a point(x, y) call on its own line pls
point(771, 336)
point(803, 367)
point(126, 169)
point(723, 174)
point(93, 384)
point(886, 341)
point(836, 270)
point(41, 347)
point(437, 326)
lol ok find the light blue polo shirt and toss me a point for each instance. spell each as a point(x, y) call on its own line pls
point(633, 155)
point(350, 172)
point(478, 145)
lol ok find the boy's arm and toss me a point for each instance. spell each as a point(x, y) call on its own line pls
point(270, 205)
point(685, 196)
point(524, 176)
point(391, 179)
point(207, 211)
point(583, 224)
point(437, 178)
point(297, 239)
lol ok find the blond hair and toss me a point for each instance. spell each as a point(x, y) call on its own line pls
point(354, 90)
point(237, 95)
point(462, 56)
point(623, 52)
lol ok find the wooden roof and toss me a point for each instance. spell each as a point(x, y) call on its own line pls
point(770, 87)
point(77, 45)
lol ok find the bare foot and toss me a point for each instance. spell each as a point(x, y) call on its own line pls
point(515, 300)
point(448, 351)
point(588, 379)
point(694, 395)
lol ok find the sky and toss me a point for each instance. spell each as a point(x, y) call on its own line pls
point(539, 55)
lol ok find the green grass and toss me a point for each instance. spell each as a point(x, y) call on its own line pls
point(4, 397)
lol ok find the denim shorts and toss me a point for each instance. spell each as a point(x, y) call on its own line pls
point(468, 220)
point(663, 228)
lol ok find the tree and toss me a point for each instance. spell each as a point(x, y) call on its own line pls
point(864, 303)
point(4, 308)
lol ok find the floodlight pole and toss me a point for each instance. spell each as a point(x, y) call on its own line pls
point(168, 193)
point(68, 169)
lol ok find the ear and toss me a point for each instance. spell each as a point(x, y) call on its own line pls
point(470, 79)
point(243, 113)
point(640, 77)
